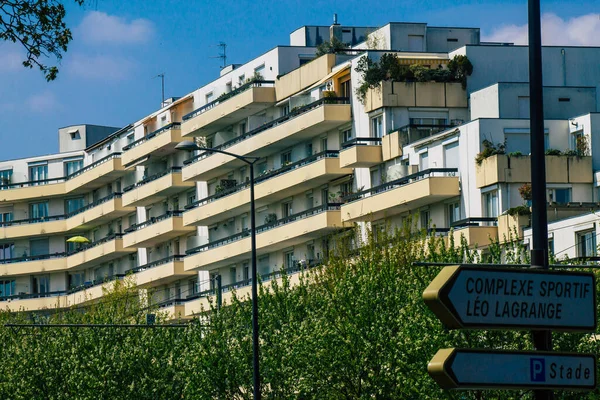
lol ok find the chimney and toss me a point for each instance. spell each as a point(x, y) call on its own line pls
point(335, 30)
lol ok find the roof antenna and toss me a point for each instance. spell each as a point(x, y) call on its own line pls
point(223, 54)
point(162, 78)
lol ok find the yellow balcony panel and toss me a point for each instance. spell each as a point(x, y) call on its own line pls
point(156, 230)
point(196, 305)
point(33, 264)
point(91, 291)
point(174, 310)
point(298, 228)
point(32, 190)
point(361, 153)
point(32, 227)
point(408, 193)
point(155, 188)
point(97, 213)
point(106, 249)
point(416, 94)
point(517, 169)
point(156, 144)
point(477, 232)
point(313, 119)
point(275, 185)
point(243, 102)
point(33, 302)
point(160, 272)
point(510, 227)
point(304, 76)
point(95, 175)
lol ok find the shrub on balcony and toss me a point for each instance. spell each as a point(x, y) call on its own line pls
point(519, 210)
point(270, 218)
point(489, 149)
point(525, 191)
point(553, 152)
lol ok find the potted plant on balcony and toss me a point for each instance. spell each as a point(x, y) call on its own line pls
point(489, 149)
point(525, 192)
point(270, 218)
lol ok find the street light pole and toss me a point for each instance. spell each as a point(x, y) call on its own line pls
point(189, 146)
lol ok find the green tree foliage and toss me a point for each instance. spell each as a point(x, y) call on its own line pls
point(39, 27)
point(357, 329)
point(331, 47)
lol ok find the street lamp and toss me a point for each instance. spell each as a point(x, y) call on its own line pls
point(191, 146)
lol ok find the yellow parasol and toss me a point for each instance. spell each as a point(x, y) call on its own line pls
point(78, 239)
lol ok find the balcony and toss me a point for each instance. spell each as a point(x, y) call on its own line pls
point(510, 227)
point(306, 122)
point(271, 186)
point(295, 229)
point(197, 302)
point(155, 188)
point(160, 272)
point(156, 144)
point(26, 228)
point(174, 309)
point(404, 194)
point(230, 108)
point(394, 142)
point(95, 175)
point(33, 302)
point(304, 76)
point(476, 232)
point(97, 213)
point(27, 265)
point(89, 291)
point(32, 190)
point(156, 230)
point(109, 248)
point(416, 94)
point(502, 168)
point(361, 152)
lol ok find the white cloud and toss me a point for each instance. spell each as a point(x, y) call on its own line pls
point(98, 27)
point(101, 67)
point(11, 59)
point(43, 102)
point(577, 31)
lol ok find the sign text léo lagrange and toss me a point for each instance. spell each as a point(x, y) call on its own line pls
point(548, 294)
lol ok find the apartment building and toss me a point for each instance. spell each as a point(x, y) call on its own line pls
point(173, 220)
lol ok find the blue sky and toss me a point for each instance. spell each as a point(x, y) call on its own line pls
point(107, 75)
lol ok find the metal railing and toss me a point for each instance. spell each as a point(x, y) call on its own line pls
point(362, 141)
point(475, 221)
point(96, 203)
point(414, 132)
point(32, 220)
point(95, 282)
point(87, 246)
point(428, 173)
point(151, 178)
point(25, 296)
point(226, 96)
point(269, 125)
point(172, 125)
point(156, 263)
point(153, 220)
point(265, 176)
point(32, 258)
point(93, 165)
point(265, 227)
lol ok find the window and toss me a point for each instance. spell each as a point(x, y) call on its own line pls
point(38, 210)
point(423, 161)
point(377, 126)
point(375, 177)
point(244, 222)
point(7, 287)
point(490, 203)
point(586, 244)
point(289, 259)
point(259, 72)
point(576, 137)
point(453, 213)
point(209, 97)
point(286, 209)
point(191, 197)
point(346, 135)
point(261, 168)
point(285, 110)
point(425, 219)
point(76, 280)
point(72, 166)
point(72, 205)
point(345, 89)
point(38, 172)
point(130, 138)
point(286, 158)
point(7, 251)
point(243, 128)
point(309, 149)
point(5, 178)
point(6, 217)
point(40, 284)
point(232, 275)
point(246, 271)
point(324, 144)
point(559, 195)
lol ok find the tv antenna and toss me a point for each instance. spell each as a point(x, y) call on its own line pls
point(162, 78)
point(222, 54)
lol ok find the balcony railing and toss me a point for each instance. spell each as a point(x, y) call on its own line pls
point(95, 282)
point(32, 258)
point(62, 178)
point(227, 96)
point(362, 141)
point(414, 132)
point(428, 173)
point(151, 178)
point(32, 220)
point(266, 227)
point(156, 263)
point(269, 125)
point(266, 176)
point(297, 267)
point(96, 203)
point(87, 246)
point(475, 221)
point(172, 125)
point(153, 220)
point(25, 296)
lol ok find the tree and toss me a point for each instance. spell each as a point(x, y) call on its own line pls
point(332, 47)
point(39, 27)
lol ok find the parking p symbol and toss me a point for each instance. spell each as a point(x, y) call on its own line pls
point(537, 369)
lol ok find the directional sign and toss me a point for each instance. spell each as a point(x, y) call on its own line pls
point(482, 369)
point(470, 297)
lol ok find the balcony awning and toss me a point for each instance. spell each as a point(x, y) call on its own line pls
point(153, 116)
point(339, 70)
point(423, 60)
